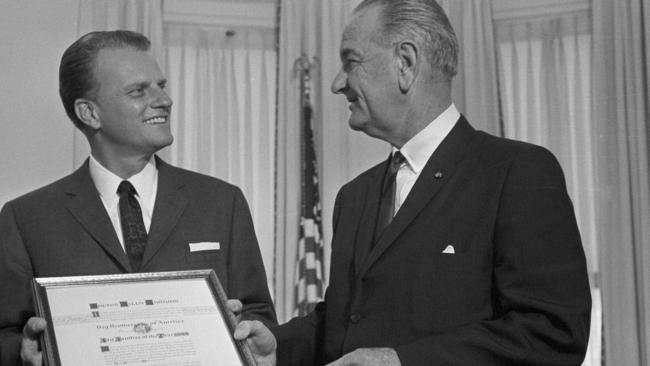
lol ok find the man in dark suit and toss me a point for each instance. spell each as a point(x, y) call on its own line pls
point(113, 90)
point(479, 261)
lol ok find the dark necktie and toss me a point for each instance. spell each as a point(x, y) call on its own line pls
point(387, 203)
point(133, 230)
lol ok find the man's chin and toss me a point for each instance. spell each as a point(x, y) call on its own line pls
point(164, 142)
point(356, 125)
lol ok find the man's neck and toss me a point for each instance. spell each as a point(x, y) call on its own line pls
point(123, 167)
point(425, 105)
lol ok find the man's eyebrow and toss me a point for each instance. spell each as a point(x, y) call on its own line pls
point(137, 84)
point(346, 52)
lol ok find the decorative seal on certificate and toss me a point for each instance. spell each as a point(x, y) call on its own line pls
point(142, 328)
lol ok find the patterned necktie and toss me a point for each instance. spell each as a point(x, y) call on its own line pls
point(133, 230)
point(387, 203)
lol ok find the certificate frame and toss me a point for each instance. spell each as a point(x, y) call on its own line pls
point(44, 288)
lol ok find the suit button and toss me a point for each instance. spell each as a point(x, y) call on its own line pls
point(354, 318)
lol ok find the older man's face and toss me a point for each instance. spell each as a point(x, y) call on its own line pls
point(132, 104)
point(368, 77)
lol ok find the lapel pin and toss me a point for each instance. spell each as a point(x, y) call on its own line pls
point(438, 175)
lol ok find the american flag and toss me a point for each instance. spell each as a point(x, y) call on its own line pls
point(309, 266)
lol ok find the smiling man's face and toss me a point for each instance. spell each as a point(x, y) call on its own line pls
point(131, 103)
point(368, 77)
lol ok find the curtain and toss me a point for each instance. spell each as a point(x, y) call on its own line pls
point(223, 86)
point(475, 87)
point(545, 86)
point(144, 16)
point(621, 110)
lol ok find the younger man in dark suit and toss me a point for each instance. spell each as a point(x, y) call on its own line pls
point(462, 248)
point(124, 210)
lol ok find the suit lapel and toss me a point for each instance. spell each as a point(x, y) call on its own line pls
point(364, 237)
point(87, 208)
point(170, 204)
point(436, 173)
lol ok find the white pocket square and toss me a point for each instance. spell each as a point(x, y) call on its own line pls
point(204, 245)
point(449, 250)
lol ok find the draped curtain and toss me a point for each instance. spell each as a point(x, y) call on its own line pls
point(545, 81)
point(475, 87)
point(314, 27)
point(223, 120)
point(621, 115)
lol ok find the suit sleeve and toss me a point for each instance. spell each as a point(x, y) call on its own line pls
point(246, 274)
point(15, 291)
point(541, 298)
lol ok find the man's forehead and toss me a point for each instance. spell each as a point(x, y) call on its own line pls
point(123, 53)
point(125, 60)
point(362, 24)
point(122, 68)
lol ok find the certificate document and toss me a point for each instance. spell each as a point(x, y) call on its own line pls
point(162, 319)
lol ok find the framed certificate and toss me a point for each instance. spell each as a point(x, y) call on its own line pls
point(148, 319)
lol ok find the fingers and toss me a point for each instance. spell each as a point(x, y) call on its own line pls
point(34, 327)
point(259, 339)
point(257, 333)
point(30, 352)
point(243, 330)
point(235, 306)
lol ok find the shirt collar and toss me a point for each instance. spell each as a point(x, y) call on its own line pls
point(107, 182)
point(420, 147)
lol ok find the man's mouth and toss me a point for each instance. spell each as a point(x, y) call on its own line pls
point(156, 120)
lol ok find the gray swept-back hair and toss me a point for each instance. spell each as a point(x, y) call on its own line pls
point(426, 23)
point(76, 71)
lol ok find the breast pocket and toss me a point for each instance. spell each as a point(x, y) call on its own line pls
point(204, 254)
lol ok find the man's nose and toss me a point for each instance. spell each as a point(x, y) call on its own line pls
point(162, 99)
point(339, 83)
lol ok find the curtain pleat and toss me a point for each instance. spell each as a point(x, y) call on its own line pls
point(475, 87)
point(223, 119)
point(621, 106)
point(545, 86)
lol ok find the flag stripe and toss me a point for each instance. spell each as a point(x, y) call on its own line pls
point(309, 261)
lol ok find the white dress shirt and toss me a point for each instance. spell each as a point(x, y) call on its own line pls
point(145, 183)
point(419, 149)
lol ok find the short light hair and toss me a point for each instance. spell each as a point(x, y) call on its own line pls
point(76, 71)
point(426, 23)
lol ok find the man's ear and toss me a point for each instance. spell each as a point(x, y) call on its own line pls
point(87, 113)
point(407, 62)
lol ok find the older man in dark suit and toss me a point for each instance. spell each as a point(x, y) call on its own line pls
point(462, 248)
point(124, 210)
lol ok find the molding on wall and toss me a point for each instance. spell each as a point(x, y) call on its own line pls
point(515, 9)
point(262, 13)
point(220, 13)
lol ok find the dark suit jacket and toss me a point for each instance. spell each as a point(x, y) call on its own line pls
point(515, 292)
point(63, 230)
